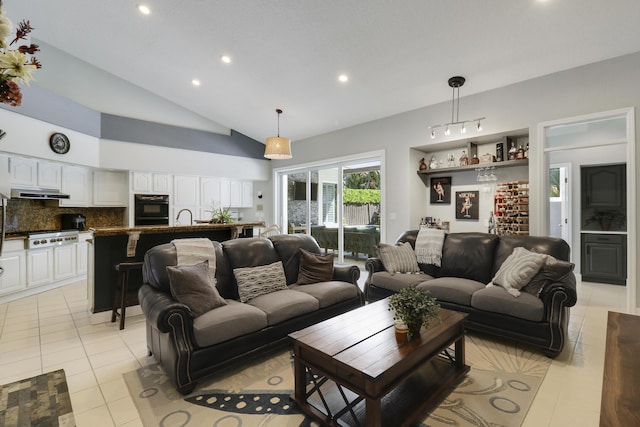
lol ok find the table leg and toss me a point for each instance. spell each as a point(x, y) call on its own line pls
point(373, 413)
point(300, 379)
point(460, 352)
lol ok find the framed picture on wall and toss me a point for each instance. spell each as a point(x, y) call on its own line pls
point(467, 204)
point(441, 191)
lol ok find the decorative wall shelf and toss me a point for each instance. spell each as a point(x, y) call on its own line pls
point(497, 165)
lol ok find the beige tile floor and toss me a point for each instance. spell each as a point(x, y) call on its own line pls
point(52, 330)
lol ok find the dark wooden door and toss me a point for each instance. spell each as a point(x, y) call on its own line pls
point(604, 258)
point(604, 186)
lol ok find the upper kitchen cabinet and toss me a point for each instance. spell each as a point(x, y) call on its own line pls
point(24, 172)
point(49, 175)
point(76, 182)
point(215, 192)
point(604, 186)
point(152, 183)
point(110, 188)
point(186, 190)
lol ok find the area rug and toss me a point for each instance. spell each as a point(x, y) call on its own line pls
point(39, 401)
point(497, 391)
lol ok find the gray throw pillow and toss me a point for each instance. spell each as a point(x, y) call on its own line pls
point(260, 280)
point(518, 269)
point(398, 259)
point(314, 268)
point(190, 285)
point(553, 270)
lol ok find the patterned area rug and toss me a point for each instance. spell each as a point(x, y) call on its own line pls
point(39, 401)
point(497, 392)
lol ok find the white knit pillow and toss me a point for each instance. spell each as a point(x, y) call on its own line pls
point(518, 269)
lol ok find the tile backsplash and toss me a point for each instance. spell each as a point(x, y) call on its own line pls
point(29, 215)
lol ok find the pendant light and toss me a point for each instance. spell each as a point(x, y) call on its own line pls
point(278, 148)
point(456, 83)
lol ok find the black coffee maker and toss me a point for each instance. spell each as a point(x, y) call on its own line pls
point(74, 222)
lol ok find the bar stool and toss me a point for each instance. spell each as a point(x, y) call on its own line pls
point(121, 295)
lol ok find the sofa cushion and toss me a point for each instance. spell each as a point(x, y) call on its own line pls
point(497, 300)
point(191, 285)
point(452, 289)
point(314, 268)
point(283, 305)
point(555, 247)
point(288, 247)
point(468, 255)
point(396, 282)
point(329, 293)
point(398, 259)
point(518, 269)
point(227, 322)
point(260, 280)
point(552, 271)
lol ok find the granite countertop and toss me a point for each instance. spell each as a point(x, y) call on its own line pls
point(114, 231)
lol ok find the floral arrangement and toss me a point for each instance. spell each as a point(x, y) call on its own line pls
point(15, 64)
point(414, 308)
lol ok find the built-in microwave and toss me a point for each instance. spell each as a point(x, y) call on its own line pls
point(151, 209)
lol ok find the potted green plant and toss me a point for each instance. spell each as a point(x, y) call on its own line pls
point(607, 219)
point(414, 308)
point(221, 216)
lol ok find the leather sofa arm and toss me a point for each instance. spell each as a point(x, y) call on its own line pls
point(561, 294)
point(159, 307)
point(346, 273)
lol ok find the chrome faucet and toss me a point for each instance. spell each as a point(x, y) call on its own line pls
point(190, 215)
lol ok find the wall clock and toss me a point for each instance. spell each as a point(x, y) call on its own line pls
point(59, 143)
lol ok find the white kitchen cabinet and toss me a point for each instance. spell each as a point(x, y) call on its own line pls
point(215, 192)
point(13, 277)
point(241, 193)
point(24, 172)
point(151, 183)
point(247, 194)
point(82, 254)
point(186, 191)
point(64, 261)
point(76, 182)
point(49, 175)
point(109, 188)
point(39, 267)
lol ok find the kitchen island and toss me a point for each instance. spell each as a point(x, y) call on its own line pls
point(113, 245)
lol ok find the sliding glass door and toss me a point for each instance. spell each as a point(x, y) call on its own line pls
point(337, 203)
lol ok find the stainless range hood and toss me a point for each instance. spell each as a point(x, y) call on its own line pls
point(37, 194)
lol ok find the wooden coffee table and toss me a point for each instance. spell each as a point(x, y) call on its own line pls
point(353, 369)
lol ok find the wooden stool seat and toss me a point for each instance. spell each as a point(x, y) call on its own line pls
point(122, 296)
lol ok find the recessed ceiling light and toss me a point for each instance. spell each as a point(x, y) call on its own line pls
point(195, 82)
point(343, 78)
point(226, 59)
point(144, 9)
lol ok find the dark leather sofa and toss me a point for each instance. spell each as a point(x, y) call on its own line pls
point(469, 262)
point(173, 333)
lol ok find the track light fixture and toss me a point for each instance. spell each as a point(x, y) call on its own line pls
point(456, 83)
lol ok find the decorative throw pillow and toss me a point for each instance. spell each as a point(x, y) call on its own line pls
point(191, 285)
point(260, 280)
point(398, 259)
point(518, 269)
point(314, 268)
point(553, 270)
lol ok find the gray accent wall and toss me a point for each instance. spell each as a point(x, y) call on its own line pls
point(143, 132)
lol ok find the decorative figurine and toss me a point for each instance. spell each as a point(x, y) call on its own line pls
point(423, 165)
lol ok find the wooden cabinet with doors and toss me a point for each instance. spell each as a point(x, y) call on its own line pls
point(604, 258)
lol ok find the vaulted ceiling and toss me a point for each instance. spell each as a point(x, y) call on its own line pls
point(288, 54)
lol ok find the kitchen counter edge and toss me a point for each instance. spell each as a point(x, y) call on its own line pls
point(114, 231)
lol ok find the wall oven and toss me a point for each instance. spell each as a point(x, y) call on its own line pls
point(151, 209)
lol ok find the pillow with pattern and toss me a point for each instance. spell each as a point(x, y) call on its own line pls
point(518, 269)
point(398, 259)
point(191, 285)
point(260, 280)
point(314, 268)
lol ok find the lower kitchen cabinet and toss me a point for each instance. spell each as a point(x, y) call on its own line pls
point(13, 274)
point(604, 258)
point(39, 267)
point(64, 262)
